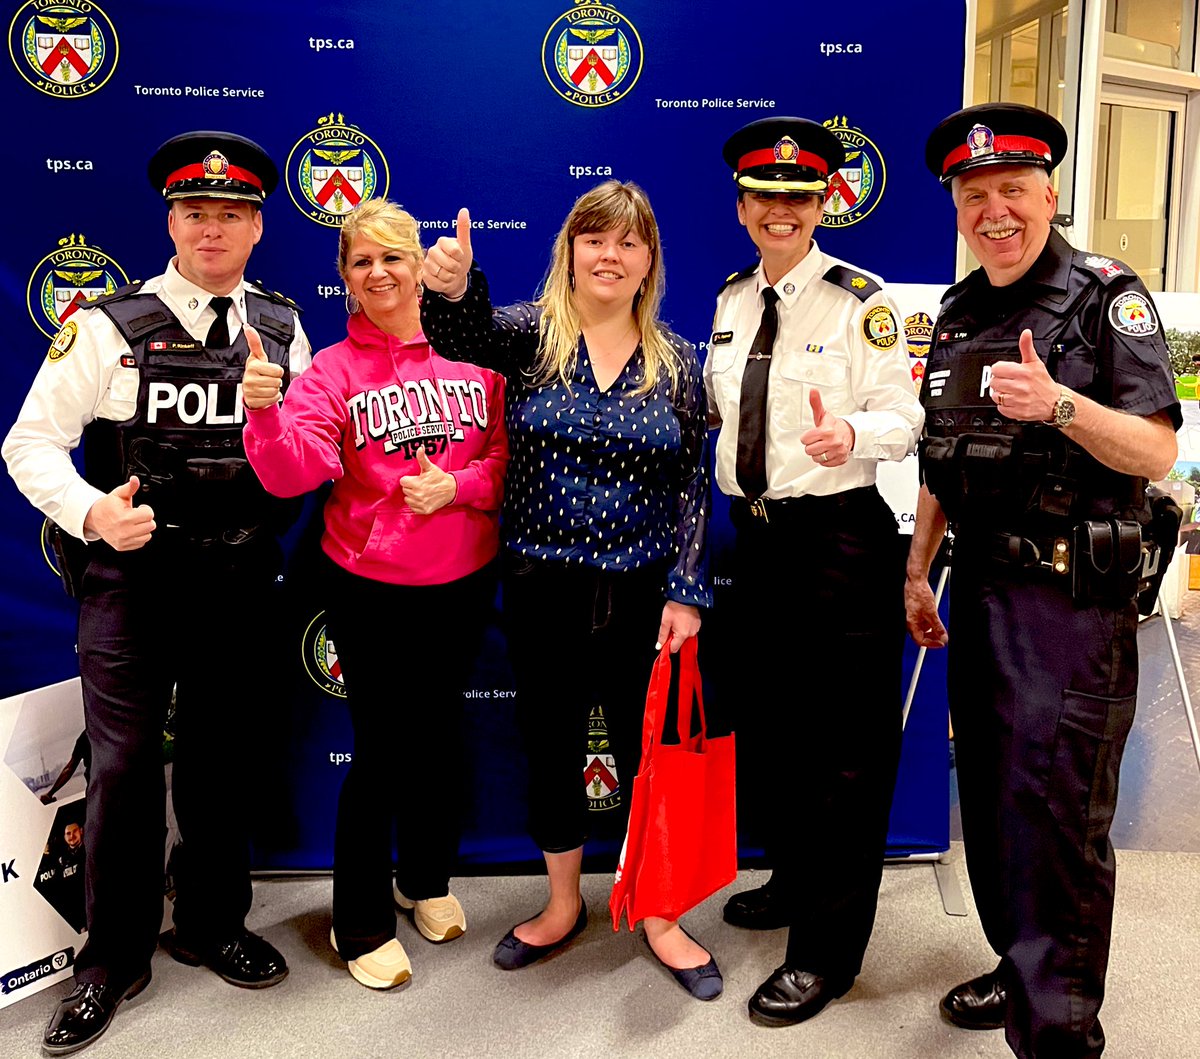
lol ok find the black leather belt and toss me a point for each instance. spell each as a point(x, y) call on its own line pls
point(793, 507)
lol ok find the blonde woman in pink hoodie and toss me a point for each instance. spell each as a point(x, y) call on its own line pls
point(417, 450)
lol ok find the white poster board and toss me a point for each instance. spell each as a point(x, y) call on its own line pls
point(41, 868)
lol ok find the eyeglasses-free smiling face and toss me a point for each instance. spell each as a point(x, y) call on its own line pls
point(213, 239)
point(609, 267)
point(781, 225)
point(384, 281)
point(1004, 215)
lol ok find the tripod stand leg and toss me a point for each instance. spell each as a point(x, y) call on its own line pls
point(1183, 688)
point(912, 684)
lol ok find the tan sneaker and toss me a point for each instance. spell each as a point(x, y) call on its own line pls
point(437, 918)
point(385, 968)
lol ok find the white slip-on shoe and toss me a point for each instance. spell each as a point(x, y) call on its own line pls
point(437, 918)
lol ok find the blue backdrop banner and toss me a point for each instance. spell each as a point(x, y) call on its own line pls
point(511, 110)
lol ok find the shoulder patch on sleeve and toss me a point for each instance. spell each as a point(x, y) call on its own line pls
point(276, 297)
point(1132, 313)
point(1104, 268)
point(733, 277)
point(861, 286)
point(63, 341)
point(880, 328)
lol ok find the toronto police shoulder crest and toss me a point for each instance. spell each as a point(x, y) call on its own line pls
point(856, 188)
point(65, 50)
point(333, 168)
point(66, 280)
point(592, 55)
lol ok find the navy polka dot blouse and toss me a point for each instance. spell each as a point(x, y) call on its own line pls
point(602, 478)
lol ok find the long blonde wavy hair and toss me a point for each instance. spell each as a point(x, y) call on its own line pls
point(611, 206)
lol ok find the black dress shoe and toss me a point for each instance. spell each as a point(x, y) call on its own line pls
point(979, 1004)
point(85, 1014)
point(759, 909)
point(512, 953)
point(790, 996)
point(245, 959)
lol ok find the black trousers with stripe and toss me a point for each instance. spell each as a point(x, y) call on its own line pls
point(819, 714)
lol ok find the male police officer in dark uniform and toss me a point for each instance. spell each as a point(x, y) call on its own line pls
point(1049, 403)
point(808, 379)
point(181, 553)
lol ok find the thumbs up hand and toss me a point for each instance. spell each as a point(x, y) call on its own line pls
point(262, 381)
point(449, 260)
point(831, 439)
point(115, 520)
point(1024, 389)
point(430, 490)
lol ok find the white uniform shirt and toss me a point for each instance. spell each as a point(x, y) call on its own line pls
point(89, 382)
point(827, 338)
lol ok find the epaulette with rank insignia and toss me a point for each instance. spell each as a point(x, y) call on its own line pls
point(1105, 268)
point(862, 287)
point(746, 273)
point(276, 297)
point(128, 291)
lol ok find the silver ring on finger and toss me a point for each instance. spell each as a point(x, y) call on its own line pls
point(824, 457)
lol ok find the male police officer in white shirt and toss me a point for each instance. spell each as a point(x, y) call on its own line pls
point(808, 379)
point(180, 541)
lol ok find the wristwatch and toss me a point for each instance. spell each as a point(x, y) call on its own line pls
point(1063, 413)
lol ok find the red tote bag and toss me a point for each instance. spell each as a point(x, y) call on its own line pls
point(681, 846)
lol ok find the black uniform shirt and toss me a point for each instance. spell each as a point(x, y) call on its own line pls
point(1098, 331)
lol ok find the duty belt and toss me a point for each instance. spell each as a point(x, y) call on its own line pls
point(787, 507)
point(1044, 553)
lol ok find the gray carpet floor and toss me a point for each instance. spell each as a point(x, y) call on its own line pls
point(604, 996)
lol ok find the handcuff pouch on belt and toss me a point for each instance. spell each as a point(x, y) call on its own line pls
point(1107, 562)
point(1118, 560)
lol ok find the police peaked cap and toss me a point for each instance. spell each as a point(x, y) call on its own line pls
point(994, 134)
point(783, 154)
point(212, 165)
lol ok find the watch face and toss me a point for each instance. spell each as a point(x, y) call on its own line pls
point(1064, 411)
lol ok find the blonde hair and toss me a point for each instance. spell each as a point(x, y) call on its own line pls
point(611, 206)
point(385, 223)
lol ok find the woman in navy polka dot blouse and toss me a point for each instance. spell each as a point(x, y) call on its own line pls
point(604, 517)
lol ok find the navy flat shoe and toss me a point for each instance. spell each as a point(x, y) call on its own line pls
point(703, 983)
point(512, 953)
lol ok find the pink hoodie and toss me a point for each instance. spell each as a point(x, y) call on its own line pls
point(356, 416)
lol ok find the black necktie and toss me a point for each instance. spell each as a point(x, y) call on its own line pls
point(218, 334)
point(752, 414)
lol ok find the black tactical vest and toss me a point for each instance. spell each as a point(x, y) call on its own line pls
point(184, 441)
point(1001, 474)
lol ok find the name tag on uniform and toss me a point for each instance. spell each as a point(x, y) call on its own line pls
point(176, 346)
point(721, 338)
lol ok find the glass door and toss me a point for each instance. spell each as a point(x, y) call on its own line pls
point(1139, 154)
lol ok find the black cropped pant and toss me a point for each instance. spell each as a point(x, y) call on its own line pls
point(578, 637)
